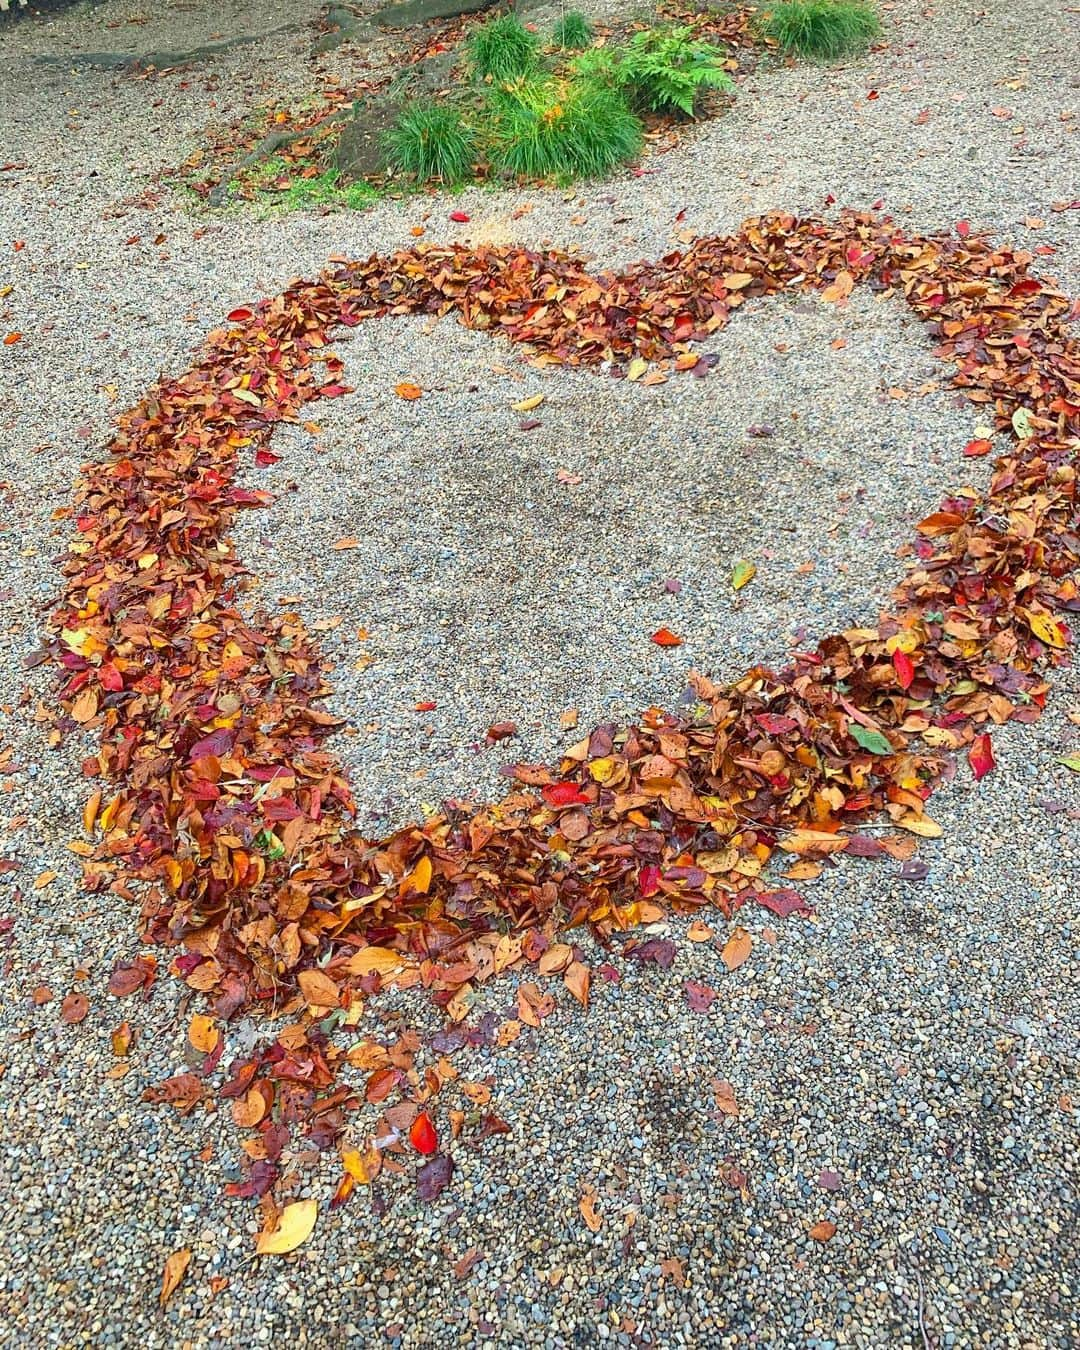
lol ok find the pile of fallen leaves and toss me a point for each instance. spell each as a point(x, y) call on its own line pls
point(230, 820)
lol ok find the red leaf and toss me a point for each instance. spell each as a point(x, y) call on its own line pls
point(783, 903)
point(460, 216)
point(963, 228)
point(905, 670)
point(699, 996)
point(976, 449)
point(981, 756)
point(664, 637)
point(239, 315)
point(428, 705)
point(649, 880)
point(422, 1134)
point(563, 794)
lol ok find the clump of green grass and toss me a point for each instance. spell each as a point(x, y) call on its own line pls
point(503, 49)
point(822, 30)
point(562, 129)
point(431, 140)
point(573, 32)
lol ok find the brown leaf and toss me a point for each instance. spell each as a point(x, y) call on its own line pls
point(737, 949)
point(175, 1267)
point(74, 1008)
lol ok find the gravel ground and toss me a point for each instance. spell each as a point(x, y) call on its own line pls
point(904, 1064)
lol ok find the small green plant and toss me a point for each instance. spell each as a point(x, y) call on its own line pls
point(822, 30)
point(666, 69)
point(503, 49)
point(431, 140)
point(573, 32)
point(562, 129)
point(327, 190)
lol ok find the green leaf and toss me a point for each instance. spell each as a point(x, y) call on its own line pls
point(744, 571)
point(1070, 762)
point(873, 741)
point(1022, 424)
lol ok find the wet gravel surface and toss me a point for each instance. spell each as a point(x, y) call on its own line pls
point(903, 1064)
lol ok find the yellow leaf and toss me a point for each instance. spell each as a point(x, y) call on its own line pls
point(45, 879)
point(419, 879)
point(246, 396)
point(736, 949)
point(1045, 629)
point(921, 825)
point(636, 368)
point(297, 1222)
point(381, 960)
point(175, 1266)
point(362, 1167)
point(735, 281)
point(743, 573)
point(528, 404)
point(203, 1033)
point(347, 542)
point(408, 391)
point(602, 769)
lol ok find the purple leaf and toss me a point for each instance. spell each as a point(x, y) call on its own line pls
point(434, 1177)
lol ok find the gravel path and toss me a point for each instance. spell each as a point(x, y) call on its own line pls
point(904, 1064)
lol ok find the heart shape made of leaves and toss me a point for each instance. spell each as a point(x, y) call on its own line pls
point(225, 800)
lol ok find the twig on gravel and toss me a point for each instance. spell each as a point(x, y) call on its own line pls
point(908, 1260)
point(274, 140)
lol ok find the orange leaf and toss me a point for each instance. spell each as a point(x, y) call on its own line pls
point(175, 1268)
point(408, 391)
point(593, 1221)
point(576, 978)
point(664, 637)
point(736, 949)
point(203, 1033)
point(823, 1230)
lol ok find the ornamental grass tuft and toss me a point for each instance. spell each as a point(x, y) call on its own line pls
point(822, 30)
point(503, 49)
point(432, 141)
point(573, 32)
point(562, 129)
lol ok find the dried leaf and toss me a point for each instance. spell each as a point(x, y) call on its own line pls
point(175, 1268)
point(737, 949)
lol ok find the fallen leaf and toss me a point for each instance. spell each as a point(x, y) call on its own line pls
point(294, 1228)
point(981, 756)
point(664, 637)
point(434, 1177)
point(587, 1205)
point(823, 1230)
point(743, 573)
point(74, 1008)
point(408, 391)
point(422, 1134)
point(736, 949)
point(528, 404)
point(175, 1267)
point(203, 1033)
